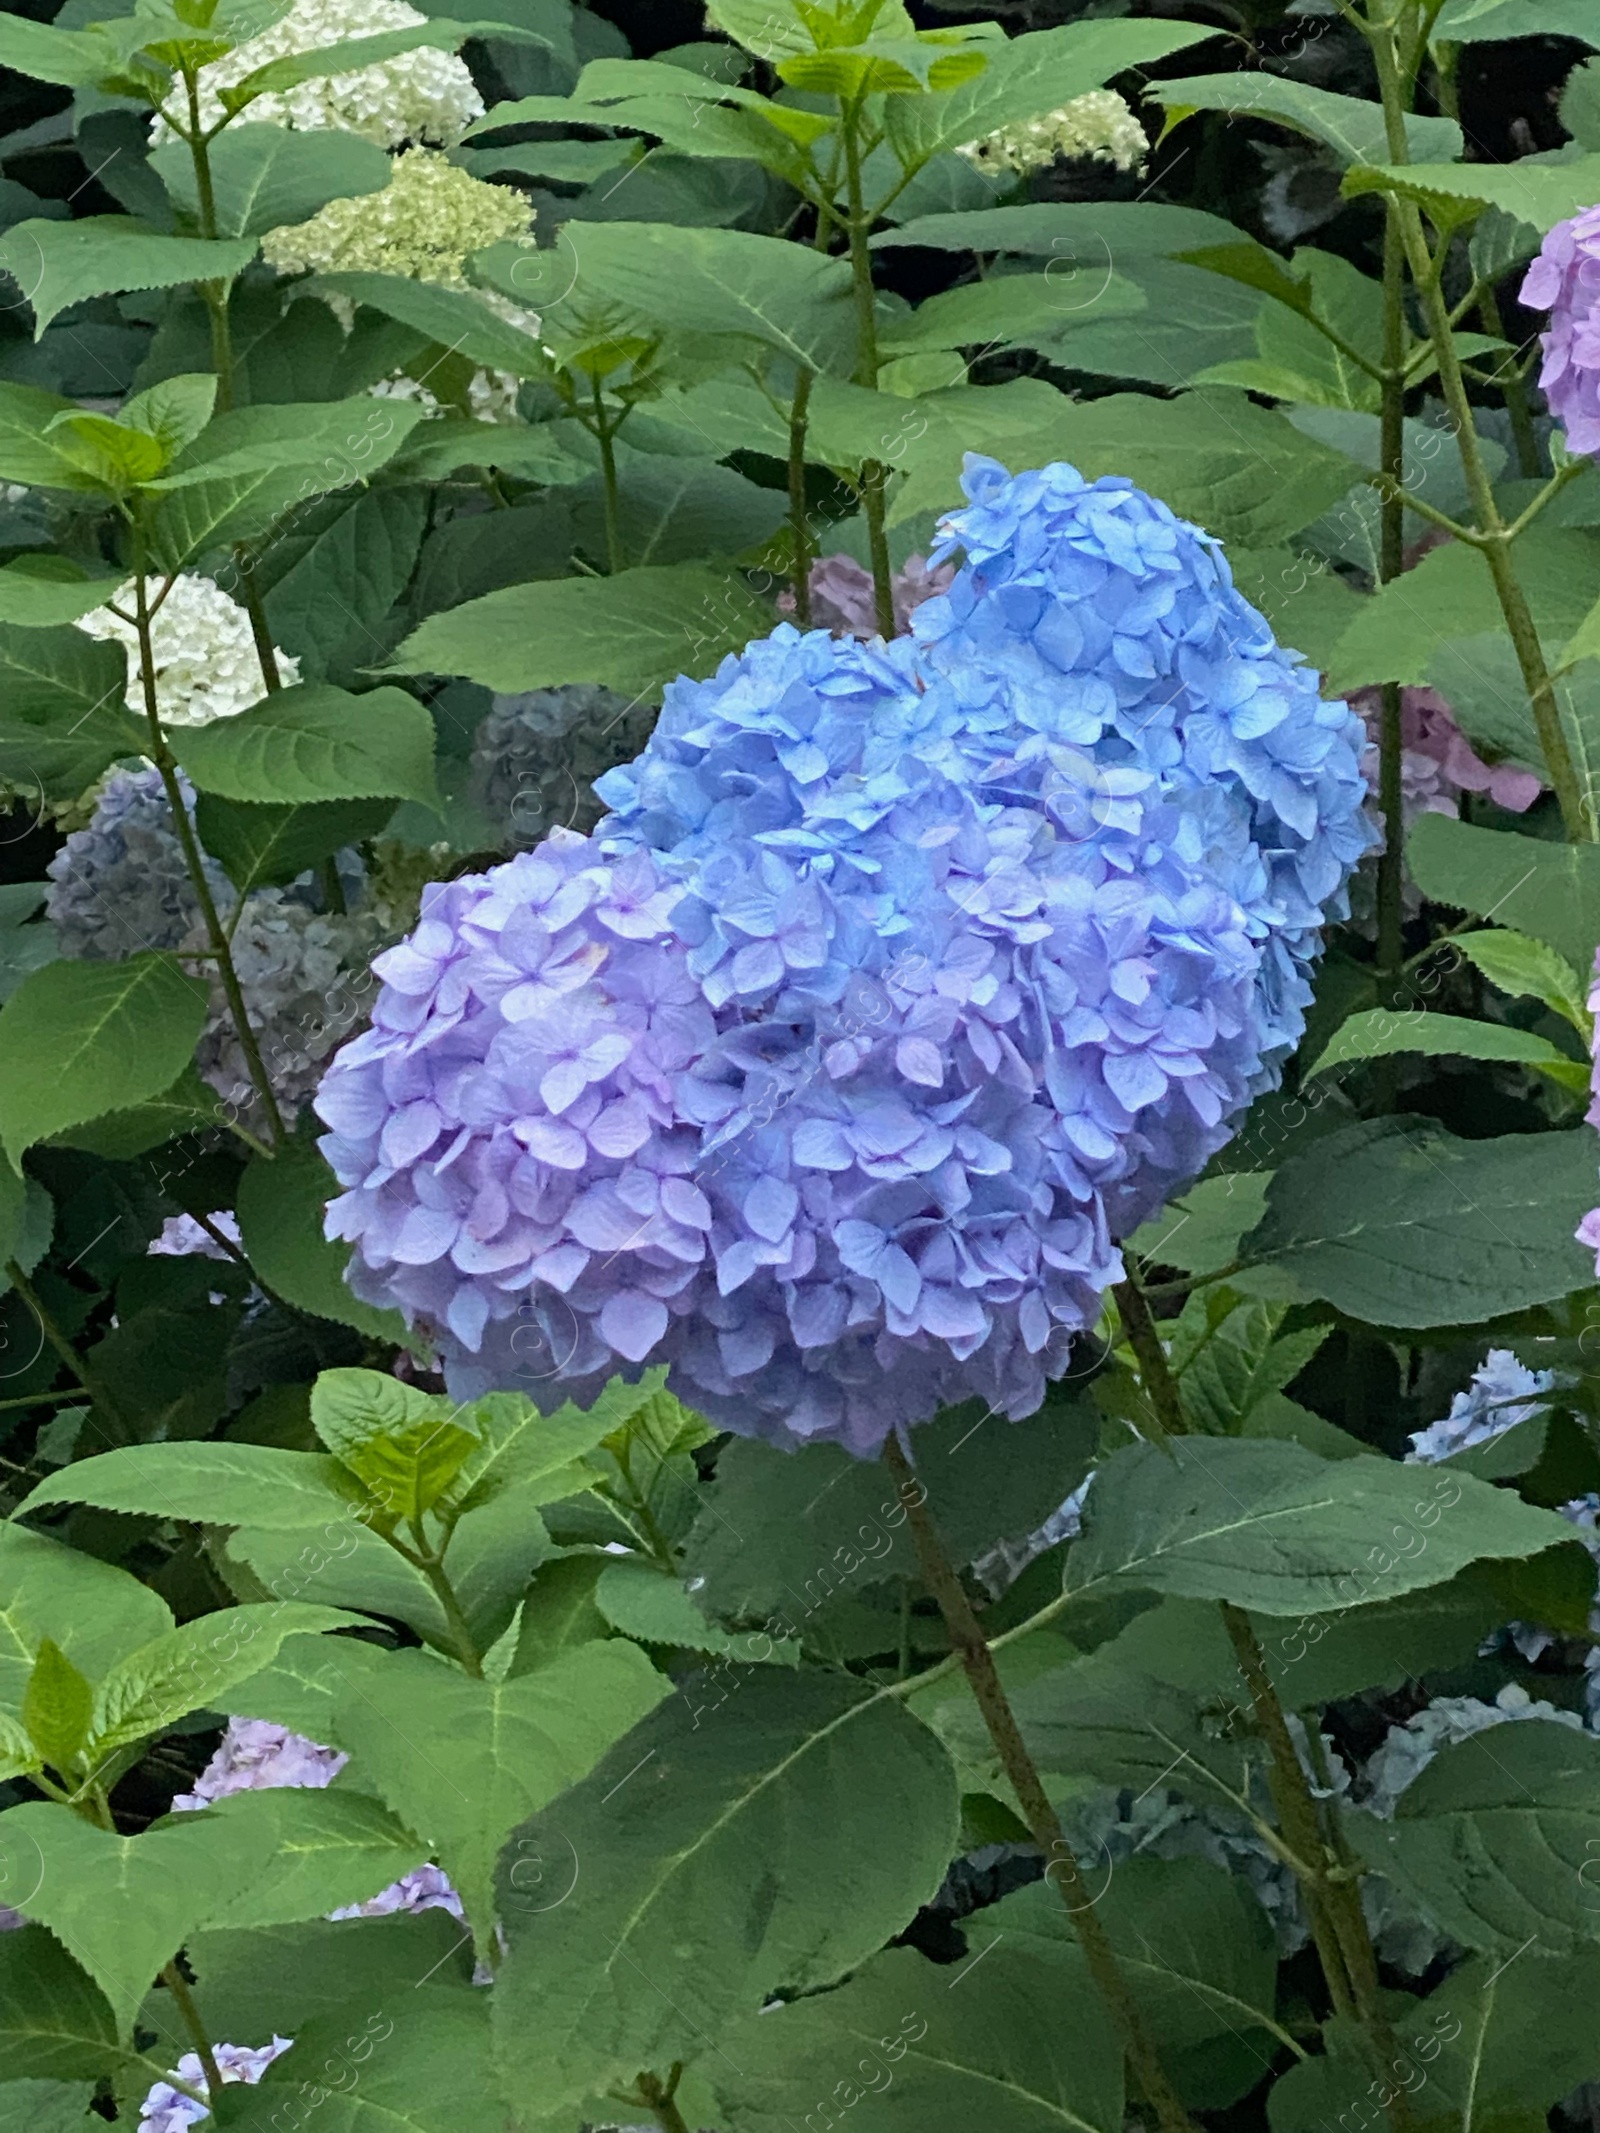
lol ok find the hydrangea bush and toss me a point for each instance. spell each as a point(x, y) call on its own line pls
point(798, 1078)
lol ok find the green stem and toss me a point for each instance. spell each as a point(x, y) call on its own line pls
point(658, 2097)
point(1391, 561)
point(874, 473)
point(1515, 388)
point(1296, 1809)
point(799, 516)
point(605, 435)
point(86, 1376)
point(1155, 1372)
point(431, 1563)
point(1331, 1891)
point(976, 1658)
point(1491, 527)
point(260, 628)
point(166, 763)
point(173, 1978)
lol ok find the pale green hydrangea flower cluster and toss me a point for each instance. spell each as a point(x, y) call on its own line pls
point(1097, 128)
point(425, 223)
point(205, 655)
point(423, 95)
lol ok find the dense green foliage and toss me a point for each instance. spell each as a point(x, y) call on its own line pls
point(733, 1764)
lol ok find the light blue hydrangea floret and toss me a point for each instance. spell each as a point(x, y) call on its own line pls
point(901, 981)
point(1503, 1393)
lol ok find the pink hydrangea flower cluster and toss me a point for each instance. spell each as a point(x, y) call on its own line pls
point(1438, 762)
point(1565, 281)
point(842, 598)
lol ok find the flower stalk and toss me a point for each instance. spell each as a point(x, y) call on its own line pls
point(1044, 1825)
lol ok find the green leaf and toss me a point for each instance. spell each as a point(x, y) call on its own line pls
point(699, 1865)
point(416, 2063)
point(1094, 1720)
point(57, 1707)
point(95, 1612)
point(80, 1039)
point(174, 411)
point(653, 1607)
point(1551, 891)
point(457, 319)
point(1241, 1365)
point(1025, 77)
point(206, 1484)
point(44, 2106)
point(1352, 126)
point(1384, 1031)
point(255, 465)
point(351, 1409)
point(700, 281)
point(535, 1455)
point(26, 452)
point(257, 1980)
point(1272, 1528)
point(58, 264)
point(1540, 194)
point(315, 743)
point(1394, 634)
point(463, 1761)
point(55, 2024)
point(1196, 1948)
point(1318, 1658)
point(1522, 966)
point(256, 842)
point(1011, 311)
point(189, 1105)
point(1396, 1222)
point(280, 1206)
point(30, 601)
point(404, 1446)
point(73, 58)
point(672, 510)
point(328, 590)
point(266, 176)
point(1465, 21)
point(1075, 236)
point(1497, 1839)
point(632, 633)
point(931, 2059)
point(1241, 471)
point(194, 1667)
point(325, 1849)
point(56, 679)
point(123, 1906)
point(781, 1532)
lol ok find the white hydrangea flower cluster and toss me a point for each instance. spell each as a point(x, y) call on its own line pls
point(426, 224)
point(168, 2110)
point(206, 662)
point(1097, 128)
point(423, 95)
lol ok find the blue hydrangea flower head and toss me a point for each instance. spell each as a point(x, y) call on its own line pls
point(1503, 1393)
point(119, 885)
point(900, 981)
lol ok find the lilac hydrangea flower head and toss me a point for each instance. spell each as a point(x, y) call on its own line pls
point(168, 2110)
point(1565, 281)
point(900, 981)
